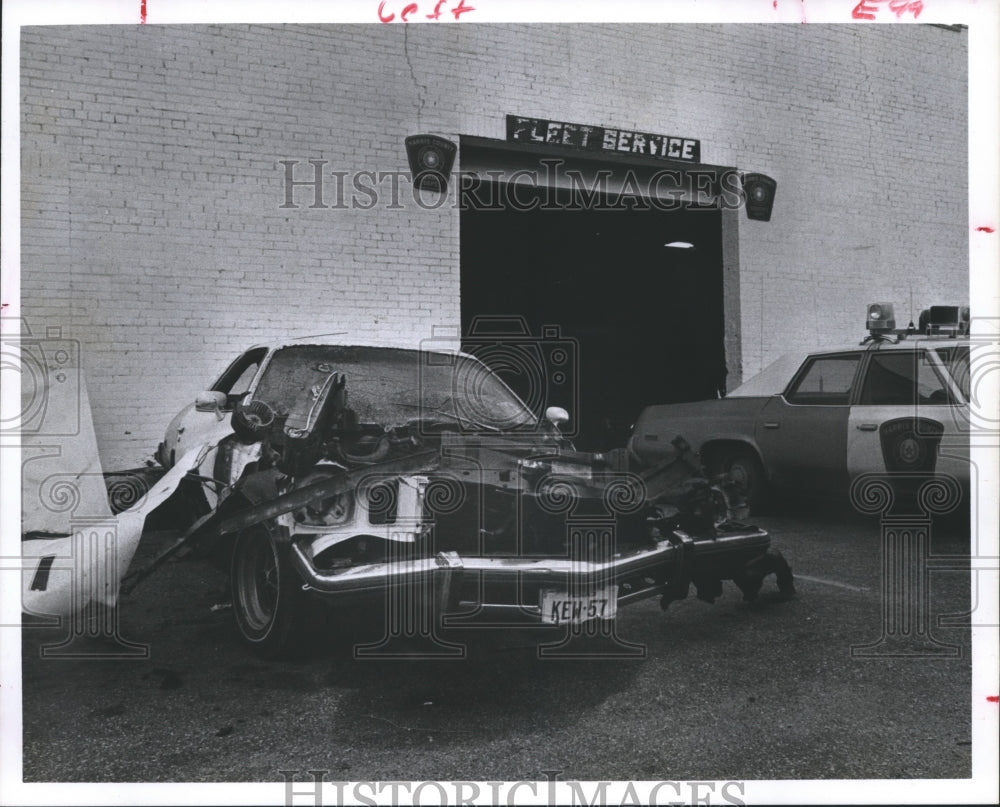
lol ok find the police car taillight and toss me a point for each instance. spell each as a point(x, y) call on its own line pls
point(881, 318)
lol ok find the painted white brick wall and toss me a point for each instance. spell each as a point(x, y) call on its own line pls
point(151, 222)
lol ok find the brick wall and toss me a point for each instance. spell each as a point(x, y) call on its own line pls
point(152, 226)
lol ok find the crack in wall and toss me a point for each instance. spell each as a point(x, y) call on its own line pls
point(421, 88)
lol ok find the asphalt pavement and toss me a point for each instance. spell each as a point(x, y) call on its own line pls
point(766, 690)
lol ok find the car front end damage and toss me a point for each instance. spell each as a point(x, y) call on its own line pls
point(472, 510)
point(489, 532)
point(535, 542)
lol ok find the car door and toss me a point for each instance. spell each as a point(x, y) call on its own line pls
point(953, 362)
point(908, 417)
point(802, 433)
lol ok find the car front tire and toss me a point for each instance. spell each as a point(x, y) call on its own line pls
point(748, 474)
point(268, 603)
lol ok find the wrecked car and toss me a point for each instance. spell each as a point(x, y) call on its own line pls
point(395, 476)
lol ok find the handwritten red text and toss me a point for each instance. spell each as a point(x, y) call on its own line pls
point(868, 9)
point(411, 11)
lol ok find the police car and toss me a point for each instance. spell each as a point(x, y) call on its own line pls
point(896, 404)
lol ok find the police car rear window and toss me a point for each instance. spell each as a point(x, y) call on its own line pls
point(903, 378)
point(956, 359)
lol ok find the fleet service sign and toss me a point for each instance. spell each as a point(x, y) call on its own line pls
point(600, 138)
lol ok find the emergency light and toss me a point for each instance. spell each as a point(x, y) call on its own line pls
point(881, 318)
point(951, 319)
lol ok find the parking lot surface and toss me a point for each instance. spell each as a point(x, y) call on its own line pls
point(731, 690)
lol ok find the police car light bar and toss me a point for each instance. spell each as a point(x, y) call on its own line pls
point(881, 318)
point(947, 319)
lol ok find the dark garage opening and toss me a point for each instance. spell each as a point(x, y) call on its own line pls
point(646, 319)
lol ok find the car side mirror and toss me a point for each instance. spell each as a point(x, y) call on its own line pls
point(556, 415)
point(211, 401)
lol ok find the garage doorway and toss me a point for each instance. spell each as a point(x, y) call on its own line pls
point(644, 313)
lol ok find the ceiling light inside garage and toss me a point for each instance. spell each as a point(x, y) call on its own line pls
point(680, 245)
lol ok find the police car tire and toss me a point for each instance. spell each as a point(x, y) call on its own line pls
point(748, 473)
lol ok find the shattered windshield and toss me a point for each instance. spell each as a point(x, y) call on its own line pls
point(392, 387)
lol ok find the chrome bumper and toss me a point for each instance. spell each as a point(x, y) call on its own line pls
point(443, 572)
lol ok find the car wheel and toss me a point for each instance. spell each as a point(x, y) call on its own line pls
point(748, 475)
point(268, 603)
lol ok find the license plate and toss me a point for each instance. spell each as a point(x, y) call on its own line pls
point(562, 608)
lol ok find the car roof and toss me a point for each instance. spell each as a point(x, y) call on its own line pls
point(903, 342)
point(892, 342)
point(928, 340)
point(326, 340)
point(773, 379)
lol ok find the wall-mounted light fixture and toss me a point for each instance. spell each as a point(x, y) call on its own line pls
point(759, 190)
point(431, 158)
